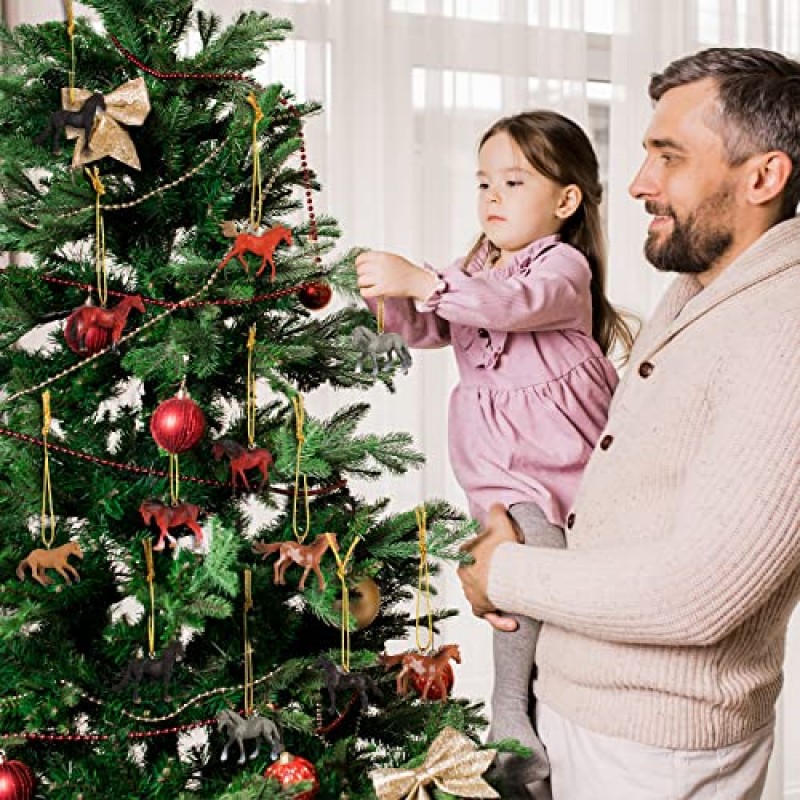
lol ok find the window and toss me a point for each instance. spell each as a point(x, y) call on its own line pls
point(594, 16)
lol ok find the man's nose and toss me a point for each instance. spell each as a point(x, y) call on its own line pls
point(643, 183)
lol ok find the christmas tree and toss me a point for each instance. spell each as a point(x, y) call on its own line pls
point(158, 180)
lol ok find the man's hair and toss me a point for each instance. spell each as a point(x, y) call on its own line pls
point(759, 104)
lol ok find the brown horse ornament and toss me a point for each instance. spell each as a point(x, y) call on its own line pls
point(167, 517)
point(243, 458)
point(40, 560)
point(292, 552)
point(431, 674)
point(90, 329)
point(263, 244)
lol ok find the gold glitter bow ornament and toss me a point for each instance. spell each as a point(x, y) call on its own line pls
point(453, 763)
point(127, 105)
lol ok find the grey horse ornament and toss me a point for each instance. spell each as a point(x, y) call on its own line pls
point(238, 729)
point(373, 347)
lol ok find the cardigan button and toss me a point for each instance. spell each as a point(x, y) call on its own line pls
point(483, 333)
point(570, 521)
point(646, 369)
point(605, 442)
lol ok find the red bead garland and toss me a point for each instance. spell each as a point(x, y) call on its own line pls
point(159, 473)
point(225, 301)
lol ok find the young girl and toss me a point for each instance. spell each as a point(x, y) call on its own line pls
point(528, 319)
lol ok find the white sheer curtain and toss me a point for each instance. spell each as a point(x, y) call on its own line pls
point(407, 87)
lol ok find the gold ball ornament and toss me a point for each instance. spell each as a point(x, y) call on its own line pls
point(365, 602)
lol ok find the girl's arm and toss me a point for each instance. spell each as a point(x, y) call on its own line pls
point(552, 294)
point(400, 283)
point(421, 329)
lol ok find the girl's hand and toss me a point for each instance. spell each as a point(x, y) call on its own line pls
point(388, 275)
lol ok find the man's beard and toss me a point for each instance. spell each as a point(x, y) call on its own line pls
point(695, 244)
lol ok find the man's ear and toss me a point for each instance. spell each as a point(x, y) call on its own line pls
point(569, 201)
point(768, 177)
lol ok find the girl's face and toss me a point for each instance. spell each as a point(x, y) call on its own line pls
point(516, 204)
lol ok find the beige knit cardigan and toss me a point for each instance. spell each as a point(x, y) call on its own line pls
point(665, 619)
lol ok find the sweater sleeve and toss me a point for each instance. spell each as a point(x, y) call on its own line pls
point(421, 329)
point(735, 538)
point(551, 293)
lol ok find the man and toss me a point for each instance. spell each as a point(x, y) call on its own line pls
point(660, 657)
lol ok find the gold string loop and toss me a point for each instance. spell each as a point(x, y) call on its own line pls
point(250, 400)
point(341, 573)
point(249, 685)
point(256, 193)
point(423, 579)
point(101, 268)
point(379, 314)
point(151, 576)
point(47, 525)
point(70, 11)
point(300, 419)
point(174, 479)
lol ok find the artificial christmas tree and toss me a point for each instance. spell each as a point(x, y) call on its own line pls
point(186, 150)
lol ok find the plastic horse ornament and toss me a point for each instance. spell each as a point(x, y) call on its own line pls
point(263, 244)
point(239, 729)
point(40, 560)
point(373, 346)
point(336, 680)
point(83, 119)
point(242, 458)
point(153, 668)
point(427, 670)
point(305, 555)
point(167, 517)
point(89, 328)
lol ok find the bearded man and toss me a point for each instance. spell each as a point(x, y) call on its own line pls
point(661, 654)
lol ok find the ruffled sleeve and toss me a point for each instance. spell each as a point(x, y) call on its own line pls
point(550, 292)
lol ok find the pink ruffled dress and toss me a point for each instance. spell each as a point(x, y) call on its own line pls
point(534, 386)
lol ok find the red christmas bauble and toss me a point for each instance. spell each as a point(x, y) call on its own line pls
point(290, 770)
point(83, 336)
point(177, 424)
point(16, 780)
point(434, 692)
point(315, 296)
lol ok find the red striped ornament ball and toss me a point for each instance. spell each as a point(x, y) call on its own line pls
point(315, 296)
point(290, 770)
point(16, 780)
point(178, 424)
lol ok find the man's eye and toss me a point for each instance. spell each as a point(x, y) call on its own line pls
point(513, 183)
point(483, 186)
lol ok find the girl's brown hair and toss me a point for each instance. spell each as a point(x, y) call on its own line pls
point(557, 148)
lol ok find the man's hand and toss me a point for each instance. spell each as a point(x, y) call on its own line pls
point(475, 577)
point(388, 275)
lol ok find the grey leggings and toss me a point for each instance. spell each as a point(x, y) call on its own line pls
point(512, 709)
